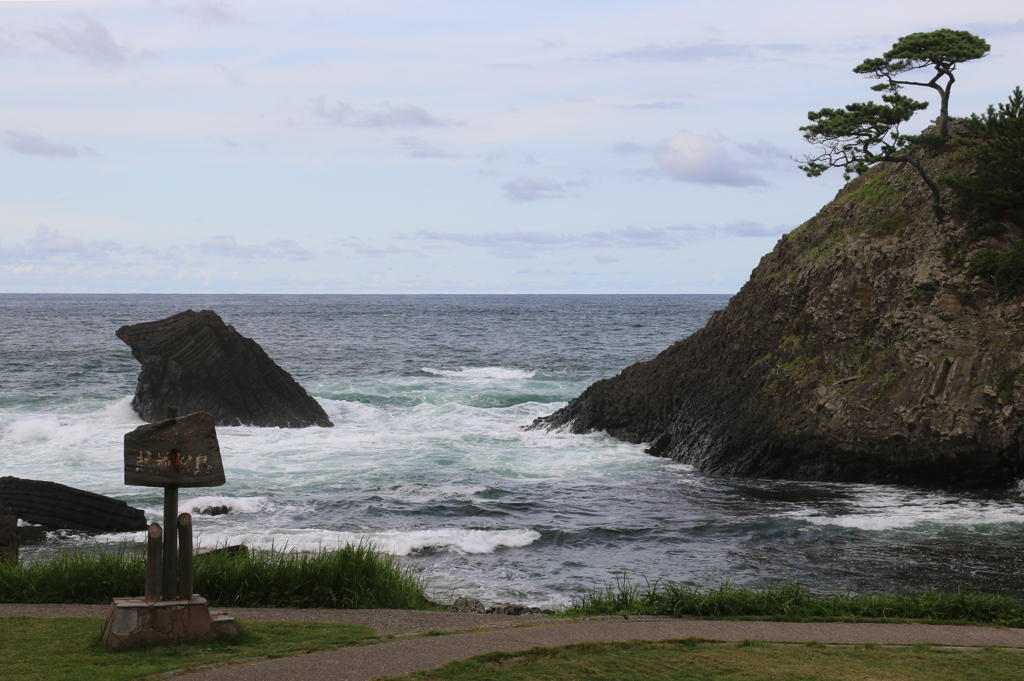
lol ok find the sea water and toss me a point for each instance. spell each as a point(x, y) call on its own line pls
point(428, 458)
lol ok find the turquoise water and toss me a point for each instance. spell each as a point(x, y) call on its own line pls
point(429, 458)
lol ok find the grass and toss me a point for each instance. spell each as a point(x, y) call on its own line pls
point(701, 660)
point(28, 645)
point(355, 576)
point(790, 602)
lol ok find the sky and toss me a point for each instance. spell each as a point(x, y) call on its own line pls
point(397, 146)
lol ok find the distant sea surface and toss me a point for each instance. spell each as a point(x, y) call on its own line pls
point(428, 458)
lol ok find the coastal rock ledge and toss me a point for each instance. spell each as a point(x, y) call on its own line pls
point(860, 350)
point(194, 361)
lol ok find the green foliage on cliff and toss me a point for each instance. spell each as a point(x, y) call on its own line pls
point(995, 190)
point(1005, 269)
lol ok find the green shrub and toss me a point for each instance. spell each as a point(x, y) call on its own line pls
point(789, 601)
point(354, 576)
point(1006, 269)
point(995, 190)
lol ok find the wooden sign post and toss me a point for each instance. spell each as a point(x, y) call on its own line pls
point(174, 453)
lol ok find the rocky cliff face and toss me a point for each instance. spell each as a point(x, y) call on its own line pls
point(194, 361)
point(859, 350)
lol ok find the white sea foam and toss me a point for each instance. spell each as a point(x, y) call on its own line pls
point(121, 412)
point(33, 429)
point(398, 542)
point(234, 504)
point(499, 373)
point(880, 509)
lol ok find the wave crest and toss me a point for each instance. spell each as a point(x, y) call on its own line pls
point(500, 373)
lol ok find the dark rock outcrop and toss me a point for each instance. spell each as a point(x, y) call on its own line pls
point(859, 350)
point(59, 507)
point(9, 536)
point(195, 361)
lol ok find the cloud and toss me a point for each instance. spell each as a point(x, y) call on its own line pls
point(685, 53)
point(503, 243)
point(763, 150)
point(751, 228)
point(227, 142)
point(520, 243)
point(628, 148)
point(404, 116)
point(292, 250)
point(228, 247)
point(551, 43)
point(420, 148)
point(32, 144)
point(692, 158)
point(997, 29)
point(374, 252)
point(701, 52)
point(655, 105)
point(524, 189)
point(50, 241)
point(82, 36)
point(209, 12)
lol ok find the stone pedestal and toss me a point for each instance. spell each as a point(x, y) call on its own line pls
point(133, 621)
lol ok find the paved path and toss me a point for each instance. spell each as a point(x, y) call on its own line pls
point(512, 634)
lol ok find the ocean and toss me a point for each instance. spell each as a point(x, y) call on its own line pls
point(429, 460)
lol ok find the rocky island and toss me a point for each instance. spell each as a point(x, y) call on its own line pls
point(195, 361)
point(868, 346)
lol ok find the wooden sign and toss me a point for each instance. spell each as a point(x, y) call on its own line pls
point(178, 452)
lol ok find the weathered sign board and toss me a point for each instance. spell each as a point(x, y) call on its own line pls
point(177, 452)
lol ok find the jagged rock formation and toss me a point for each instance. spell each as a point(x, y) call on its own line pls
point(59, 507)
point(194, 361)
point(859, 350)
point(9, 536)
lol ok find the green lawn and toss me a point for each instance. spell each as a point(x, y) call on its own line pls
point(700, 660)
point(69, 648)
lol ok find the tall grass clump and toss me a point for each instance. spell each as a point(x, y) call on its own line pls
point(354, 576)
point(789, 601)
point(73, 577)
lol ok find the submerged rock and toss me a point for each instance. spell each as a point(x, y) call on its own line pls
point(59, 507)
point(860, 350)
point(195, 361)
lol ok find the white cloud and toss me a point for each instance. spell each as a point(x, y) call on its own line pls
point(228, 247)
point(702, 51)
point(33, 144)
point(48, 241)
point(82, 36)
point(403, 116)
point(751, 228)
point(605, 258)
point(764, 150)
point(292, 250)
point(628, 148)
point(209, 12)
point(693, 158)
point(524, 189)
point(420, 148)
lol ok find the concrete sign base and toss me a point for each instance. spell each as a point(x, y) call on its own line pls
point(134, 621)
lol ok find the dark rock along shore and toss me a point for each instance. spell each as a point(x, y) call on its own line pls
point(194, 361)
point(858, 351)
point(57, 506)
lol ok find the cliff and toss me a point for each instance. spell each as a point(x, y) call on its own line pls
point(194, 361)
point(861, 349)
